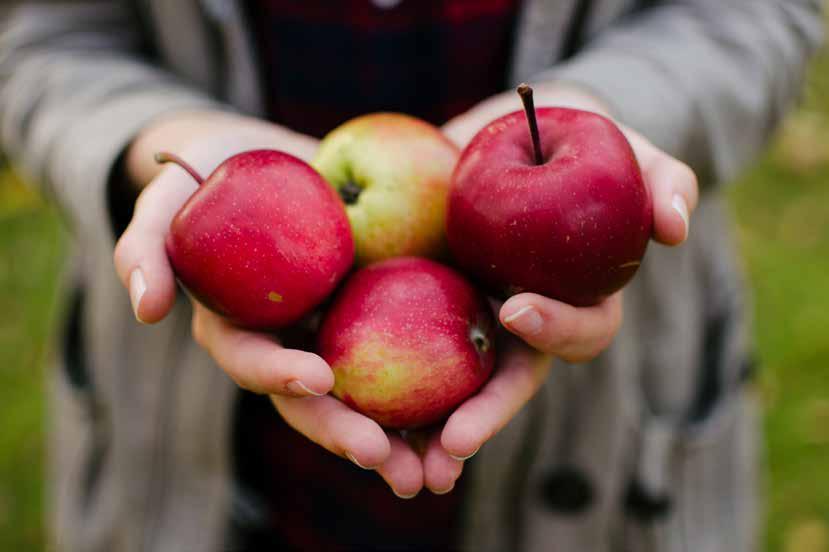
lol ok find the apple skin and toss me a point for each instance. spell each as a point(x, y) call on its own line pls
point(402, 166)
point(262, 241)
point(574, 228)
point(408, 340)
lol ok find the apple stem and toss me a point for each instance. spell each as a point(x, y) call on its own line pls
point(526, 93)
point(167, 157)
point(479, 339)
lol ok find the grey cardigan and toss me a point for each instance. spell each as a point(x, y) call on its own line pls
point(659, 431)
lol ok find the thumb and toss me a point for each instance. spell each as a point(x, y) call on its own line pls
point(140, 255)
point(673, 187)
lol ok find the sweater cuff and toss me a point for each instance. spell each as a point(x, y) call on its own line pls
point(638, 92)
point(82, 165)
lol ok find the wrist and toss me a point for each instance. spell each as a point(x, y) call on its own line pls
point(564, 94)
point(206, 138)
point(174, 132)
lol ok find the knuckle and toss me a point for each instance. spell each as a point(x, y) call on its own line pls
point(564, 337)
point(141, 200)
point(122, 251)
point(242, 381)
point(197, 328)
point(580, 356)
point(614, 322)
point(279, 405)
point(236, 380)
point(266, 375)
point(241, 377)
point(326, 432)
point(603, 342)
point(688, 178)
point(573, 358)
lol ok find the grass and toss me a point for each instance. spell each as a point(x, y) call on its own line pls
point(31, 254)
point(782, 210)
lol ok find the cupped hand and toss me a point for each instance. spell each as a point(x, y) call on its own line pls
point(297, 381)
point(431, 458)
point(550, 326)
point(407, 461)
point(204, 140)
point(254, 360)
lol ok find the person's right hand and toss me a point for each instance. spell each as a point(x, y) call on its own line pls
point(255, 361)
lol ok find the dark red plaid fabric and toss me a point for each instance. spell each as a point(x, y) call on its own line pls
point(293, 496)
point(325, 62)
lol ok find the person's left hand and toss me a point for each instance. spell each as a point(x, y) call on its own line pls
point(552, 329)
point(673, 189)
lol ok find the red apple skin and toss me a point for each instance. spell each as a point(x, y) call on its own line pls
point(574, 228)
point(408, 340)
point(262, 241)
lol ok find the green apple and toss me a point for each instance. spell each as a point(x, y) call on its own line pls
point(393, 173)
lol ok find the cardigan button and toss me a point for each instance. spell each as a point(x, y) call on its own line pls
point(386, 4)
point(567, 490)
point(645, 505)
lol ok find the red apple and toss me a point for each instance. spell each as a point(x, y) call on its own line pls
point(408, 340)
point(262, 241)
point(569, 219)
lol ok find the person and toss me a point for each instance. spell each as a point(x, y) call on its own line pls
point(641, 435)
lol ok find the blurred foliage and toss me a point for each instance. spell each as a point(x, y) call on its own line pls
point(782, 210)
point(31, 252)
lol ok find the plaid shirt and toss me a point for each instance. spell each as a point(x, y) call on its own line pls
point(324, 63)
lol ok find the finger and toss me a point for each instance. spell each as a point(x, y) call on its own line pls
point(335, 427)
point(674, 190)
point(574, 334)
point(140, 256)
point(479, 418)
point(256, 362)
point(440, 470)
point(402, 470)
point(460, 130)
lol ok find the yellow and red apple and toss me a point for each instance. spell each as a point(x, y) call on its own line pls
point(408, 340)
point(393, 173)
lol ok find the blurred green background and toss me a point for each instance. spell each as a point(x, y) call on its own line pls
point(782, 212)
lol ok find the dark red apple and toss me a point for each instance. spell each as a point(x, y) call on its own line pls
point(262, 241)
point(408, 340)
point(569, 219)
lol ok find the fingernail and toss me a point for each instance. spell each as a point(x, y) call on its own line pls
point(447, 491)
point(404, 496)
point(679, 205)
point(525, 321)
point(138, 286)
point(298, 388)
point(351, 457)
point(462, 458)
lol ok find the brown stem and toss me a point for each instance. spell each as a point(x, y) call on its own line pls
point(167, 157)
point(526, 94)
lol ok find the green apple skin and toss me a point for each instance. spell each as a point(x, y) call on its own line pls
point(399, 169)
